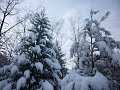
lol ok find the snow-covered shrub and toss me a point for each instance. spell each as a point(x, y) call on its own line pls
point(74, 81)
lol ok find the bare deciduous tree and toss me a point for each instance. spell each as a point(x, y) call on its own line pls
point(76, 26)
point(7, 8)
point(56, 31)
point(9, 42)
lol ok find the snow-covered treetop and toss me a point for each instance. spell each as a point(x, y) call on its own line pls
point(94, 39)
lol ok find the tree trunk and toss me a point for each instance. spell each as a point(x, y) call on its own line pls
point(92, 61)
point(1, 26)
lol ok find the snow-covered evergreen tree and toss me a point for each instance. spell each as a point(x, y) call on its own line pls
point(96, 51)
point(35, 67)
point(61, 59)
point(56, 32)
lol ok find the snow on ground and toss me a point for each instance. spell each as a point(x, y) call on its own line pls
point(77, 82)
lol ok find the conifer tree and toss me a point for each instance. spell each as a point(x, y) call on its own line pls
point(35, 66)
point(61, 59)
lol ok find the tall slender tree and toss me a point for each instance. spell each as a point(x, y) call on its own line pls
point(57, 27)
point(61, 59)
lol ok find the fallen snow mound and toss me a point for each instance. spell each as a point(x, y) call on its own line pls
point(74, 81)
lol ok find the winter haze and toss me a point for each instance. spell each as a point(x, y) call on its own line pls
point(59, 45)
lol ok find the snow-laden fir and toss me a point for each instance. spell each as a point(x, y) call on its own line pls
point(35, 66)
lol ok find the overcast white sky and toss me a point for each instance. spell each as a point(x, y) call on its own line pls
point(70, 8)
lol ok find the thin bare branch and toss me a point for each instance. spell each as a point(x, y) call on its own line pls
point(17, 24)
